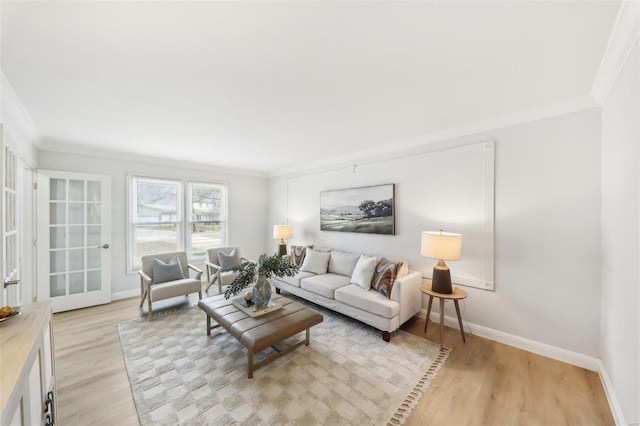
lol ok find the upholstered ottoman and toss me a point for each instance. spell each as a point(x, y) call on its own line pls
point(260, 333)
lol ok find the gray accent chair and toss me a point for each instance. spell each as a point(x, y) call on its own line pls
point(215, 273)
point(159, 291)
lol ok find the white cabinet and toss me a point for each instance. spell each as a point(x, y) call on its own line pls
point(27, 368)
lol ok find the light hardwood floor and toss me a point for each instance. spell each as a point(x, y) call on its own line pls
point(482, 382)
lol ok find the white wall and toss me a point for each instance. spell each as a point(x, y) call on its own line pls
point(247, 202)
point(547, 221)
point(620, 319)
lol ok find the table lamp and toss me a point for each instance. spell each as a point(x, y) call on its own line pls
point(441, 246)
point(283, 232)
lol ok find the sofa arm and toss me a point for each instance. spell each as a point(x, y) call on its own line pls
point(406, 291)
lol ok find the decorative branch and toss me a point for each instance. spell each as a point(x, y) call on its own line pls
point(267, 266)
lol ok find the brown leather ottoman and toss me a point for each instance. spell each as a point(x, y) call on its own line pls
point(260, 333)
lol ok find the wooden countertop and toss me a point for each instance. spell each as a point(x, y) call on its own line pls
point(18, 337)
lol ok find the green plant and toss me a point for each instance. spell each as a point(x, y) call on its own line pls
point(267, 266)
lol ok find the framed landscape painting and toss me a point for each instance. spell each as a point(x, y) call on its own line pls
point(368, 209)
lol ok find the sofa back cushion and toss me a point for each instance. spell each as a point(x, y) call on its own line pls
point(315, 261)
point(342, 262)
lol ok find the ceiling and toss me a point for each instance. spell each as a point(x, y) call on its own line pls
point(267, 86)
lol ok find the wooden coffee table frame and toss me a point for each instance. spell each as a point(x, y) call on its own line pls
point(290, 320)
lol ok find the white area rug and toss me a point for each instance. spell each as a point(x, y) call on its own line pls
point(348, 375)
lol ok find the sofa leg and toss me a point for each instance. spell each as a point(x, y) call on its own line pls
point(277, 290)
point(386, 336)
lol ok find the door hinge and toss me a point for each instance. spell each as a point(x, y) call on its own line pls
point(35, 185)
point(35, 243)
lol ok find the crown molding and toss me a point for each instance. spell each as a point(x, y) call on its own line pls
point(11, 106)
point(442, 139)
point(92, 151)
point(624, 36)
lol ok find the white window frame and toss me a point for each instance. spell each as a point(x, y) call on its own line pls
point(183, 220)
point(10, 234)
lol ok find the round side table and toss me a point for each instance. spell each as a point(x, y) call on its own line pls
point(457, 294)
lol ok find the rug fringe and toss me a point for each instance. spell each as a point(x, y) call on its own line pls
point(411, 401)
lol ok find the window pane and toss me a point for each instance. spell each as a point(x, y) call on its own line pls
point(57, 237)
point(93, 281)
point(94, 191)
point(157, 201)
point(76, 282)
point(76, 213)
point(205, 236)
point(57, 261)
point(57, 189)
point(57, 285)
point(207, 202)
point(76, 236)
point(76, 190)
point(57, 213)
point(93, 235)
point(150, 239)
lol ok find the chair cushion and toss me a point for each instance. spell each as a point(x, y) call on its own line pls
point(342, 262)
point(295, 280)
point(170, 271)
point(228, 261)
point(363, 272)
point(325, 284)
point(367, 300)
point(175, 288)
point(385, 276)
point(316, 262)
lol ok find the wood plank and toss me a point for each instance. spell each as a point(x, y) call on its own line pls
point(482, 383)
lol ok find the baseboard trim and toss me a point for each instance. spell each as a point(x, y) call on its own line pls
point(125, 294)
point(549, 351)
point(614, 404)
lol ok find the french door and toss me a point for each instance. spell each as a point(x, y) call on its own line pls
point(74, 231)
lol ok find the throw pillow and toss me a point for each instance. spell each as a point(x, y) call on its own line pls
point(228, 261)
point(363, 272)
point(316, 262)
point(164, 272)
point(298, 253)
point(385, 276)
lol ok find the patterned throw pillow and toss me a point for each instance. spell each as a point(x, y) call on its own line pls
point(164, 272)
point(298, 253)
point(385, 276)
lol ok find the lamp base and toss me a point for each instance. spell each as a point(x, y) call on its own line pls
point(441, 282)
point(282, 249)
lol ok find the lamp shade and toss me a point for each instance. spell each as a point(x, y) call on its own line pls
point(441, 245)
point(282, 231)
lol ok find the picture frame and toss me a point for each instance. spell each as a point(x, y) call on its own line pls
point(366, 209)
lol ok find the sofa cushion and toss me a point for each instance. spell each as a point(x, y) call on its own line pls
point(325, 284)
point(170, 271)
point(367, 300)
point(175, 288)
point(316, 262)
point(342, 262)
point(363, 272)
point(295, 280)
point(385, 276)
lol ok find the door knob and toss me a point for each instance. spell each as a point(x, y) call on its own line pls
point(104, 246)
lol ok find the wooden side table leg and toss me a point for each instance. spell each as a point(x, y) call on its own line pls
point(441, 323)
point(208, 325)
point(459, 320)
point(426, 321)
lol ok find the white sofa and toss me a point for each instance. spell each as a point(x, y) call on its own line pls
point(335, 291)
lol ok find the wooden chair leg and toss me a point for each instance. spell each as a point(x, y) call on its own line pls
point(200, 294)
point(150, 310)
